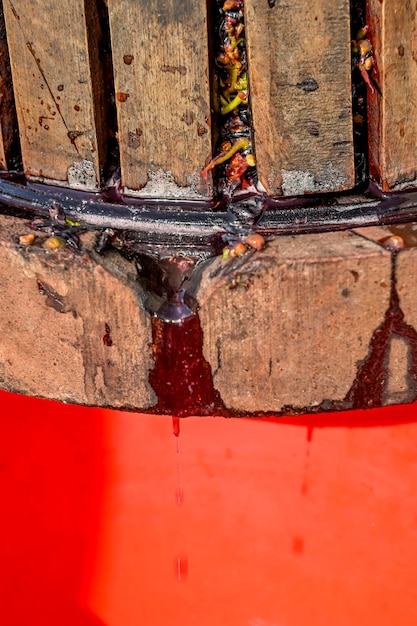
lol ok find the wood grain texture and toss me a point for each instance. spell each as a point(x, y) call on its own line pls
point(289, 326)
point(59, 308)
point(392, 118)
point(406, 264)
point(300, 77)
point(160, 55)
point(3, 161)
point(55, 98)
point(9, 135)
point(4, 90)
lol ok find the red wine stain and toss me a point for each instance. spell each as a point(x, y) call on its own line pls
point(183, 383)
point(107, 340)
point(371, 380)
point(181, 377)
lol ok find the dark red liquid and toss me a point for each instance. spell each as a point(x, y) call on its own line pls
point(182, 378)
point(368, 389)
point(176, 426)
point(181, 568)
point(107, 340)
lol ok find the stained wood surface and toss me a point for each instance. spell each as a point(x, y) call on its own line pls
point(160, 56)
point(53, 76)
point(288, 326)
point(284, 329)
point(300, 76)
point(392, 117)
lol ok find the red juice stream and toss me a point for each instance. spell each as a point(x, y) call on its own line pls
point(179, 489)
point(182, 377)
point(181, 560)
point(176, 427)
point(304, 485)
point(182, 380)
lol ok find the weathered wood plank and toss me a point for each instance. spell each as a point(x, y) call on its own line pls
point(288, 327)
point(160, 55)
point(392, 117)
point(52, 77)
point(73, 328)
point(9, 135)
point(4, 79)
point(3, 165)
point(300, 76)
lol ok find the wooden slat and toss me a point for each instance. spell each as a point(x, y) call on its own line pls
point(3, 75)
point(392, 118)
point(9, 136)
point(53, 90)
point(300, 75)
point(3, 165)
point(160, 56)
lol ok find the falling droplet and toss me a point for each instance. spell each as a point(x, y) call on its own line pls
point(176, 426)
point(179, 495)
point(179, 492)
point(180, 562)
point(304, 485)
point(181, 567)
point(298, 545)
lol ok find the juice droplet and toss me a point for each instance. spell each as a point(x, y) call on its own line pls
point(181, 568)
point(179, 492)
point(176, 426)
point(179, 495)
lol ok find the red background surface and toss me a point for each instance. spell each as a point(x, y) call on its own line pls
point(248, 523)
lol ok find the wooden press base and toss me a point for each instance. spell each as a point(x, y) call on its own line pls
point(309, 323)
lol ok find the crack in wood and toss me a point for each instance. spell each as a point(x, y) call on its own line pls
point(37, 60)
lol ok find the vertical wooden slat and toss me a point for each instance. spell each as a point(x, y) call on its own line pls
point(4, 67)
point(160, 56)
point(392, 117)
point(300, 76)
point(53, 85)
point(9, 136)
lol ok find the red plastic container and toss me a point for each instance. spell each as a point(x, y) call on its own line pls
point(108, 518)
